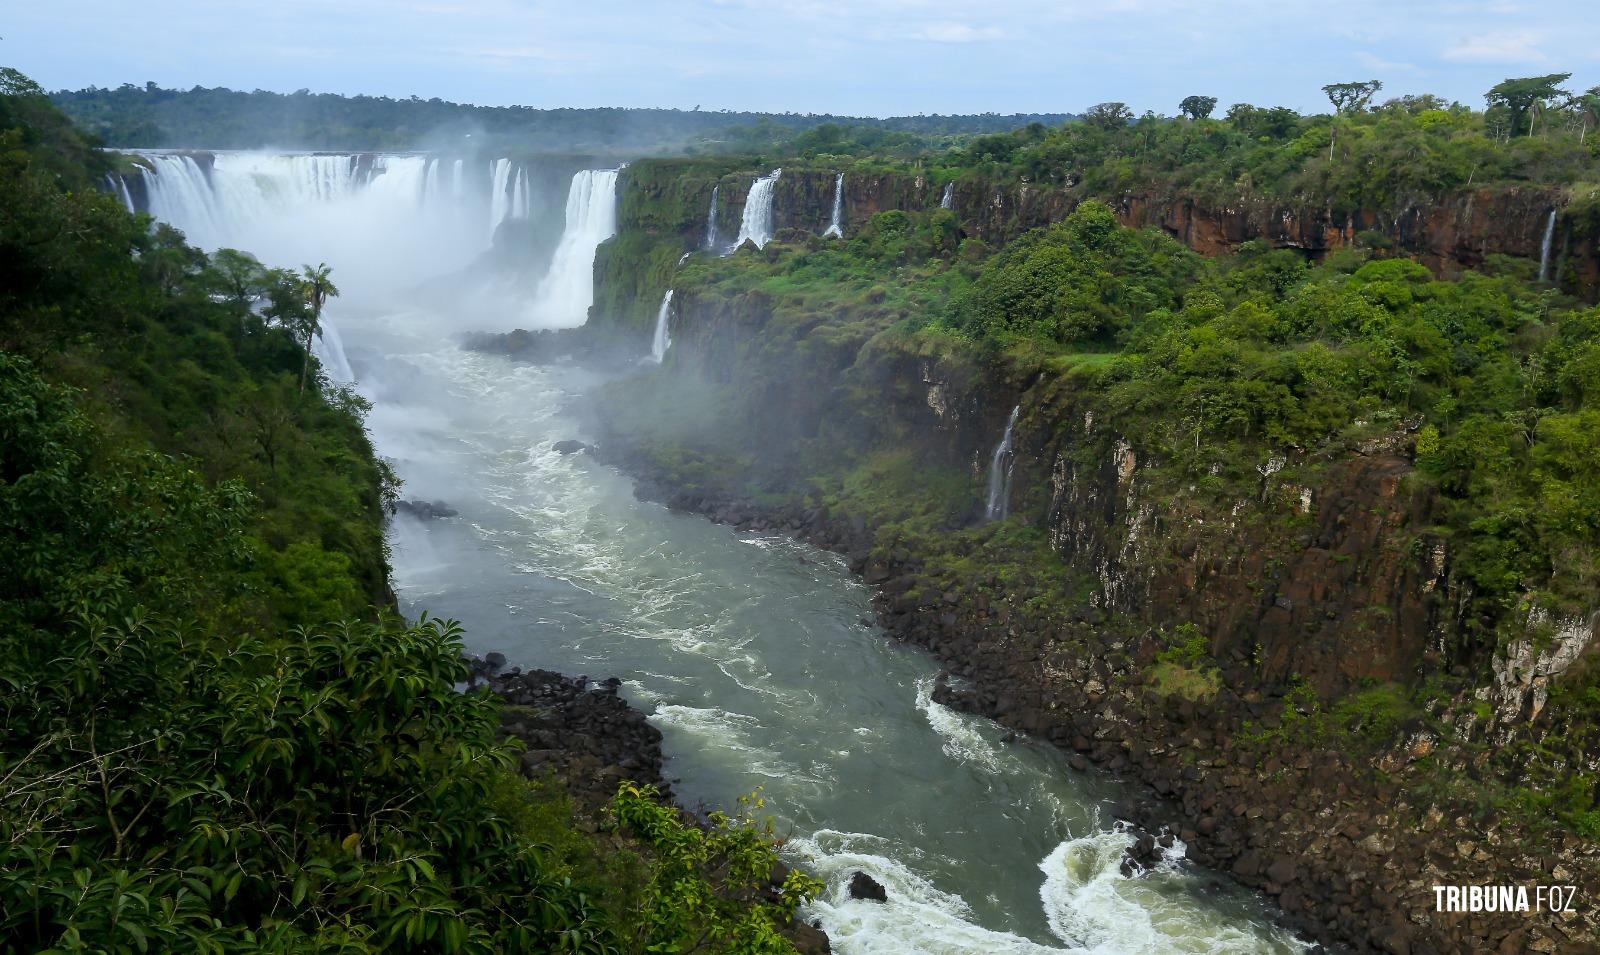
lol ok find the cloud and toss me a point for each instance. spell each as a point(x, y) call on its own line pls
point(1496, 48)
point(946, 32)
point(1382, 65)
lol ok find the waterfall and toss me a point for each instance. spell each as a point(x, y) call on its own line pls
point(519, 196)
point(430, 184)
point(1544, 248)
point(118, 187)
point(948, 200)
point(455, 178)
point(1000, 469)
point(568, 289)
point(663, 337)
point(757, 222)
point(499, 186)
point(836, 224)
point(711, 220)
point(329, 349)
point(180, 194)
point(374, 218)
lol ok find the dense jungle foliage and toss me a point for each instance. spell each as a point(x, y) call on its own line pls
point(215, 734)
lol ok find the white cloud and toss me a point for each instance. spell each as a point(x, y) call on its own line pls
point(1496, 48)
point(946, 32)
point(1382, 65)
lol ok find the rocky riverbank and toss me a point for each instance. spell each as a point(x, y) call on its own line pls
point(1349, 843)
point(588, 737)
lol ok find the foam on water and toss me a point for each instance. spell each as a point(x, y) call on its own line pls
point(919, 916)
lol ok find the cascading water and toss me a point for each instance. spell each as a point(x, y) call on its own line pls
point(499, 193)
point(1001, 467)
point(329, 349)
point(118, 187)
point(948, 200)
point(757, 222)
point(711, 220)
point(663, 337)
point(836, 223)
point(568, 289)
point(1545, 247)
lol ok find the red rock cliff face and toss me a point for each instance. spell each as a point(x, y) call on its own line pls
point(1453, 234)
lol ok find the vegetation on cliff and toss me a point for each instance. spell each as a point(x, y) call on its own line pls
point(1209, 367)
point(214, 733)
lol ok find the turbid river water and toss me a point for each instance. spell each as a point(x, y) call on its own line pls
point(752, 652)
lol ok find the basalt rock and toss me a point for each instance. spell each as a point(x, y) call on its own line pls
point(863, 886)
point(425, 510)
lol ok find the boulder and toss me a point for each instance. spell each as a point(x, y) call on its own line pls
point(569, 447)
point(863, 886)
point(425, 510)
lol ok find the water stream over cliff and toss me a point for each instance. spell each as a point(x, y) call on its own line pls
point(756, 225)
point(1545, 245)
point(1001, 466)
point(753, 652)
point(836, 220)
point(662, 339)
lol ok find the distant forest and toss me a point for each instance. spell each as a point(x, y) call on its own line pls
point(150, 116)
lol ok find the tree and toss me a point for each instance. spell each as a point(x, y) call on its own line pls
point(238, 277)
point(1587, 107)
point(1109, 115)
point(1348, 98)
point(1197, 107)
point(1351, 97)
point(1525, 96)
point(318, 288)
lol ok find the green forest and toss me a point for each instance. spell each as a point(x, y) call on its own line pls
point(216, 734)
point(150, 116)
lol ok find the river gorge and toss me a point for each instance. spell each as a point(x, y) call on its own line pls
point(756, 654)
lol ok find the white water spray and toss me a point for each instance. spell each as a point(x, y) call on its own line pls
point(568, 290)
point(1544, 247)
point(836, 223)
point(663, 337)
point(948, 200)
point(711, 220)
point(1001, 467)
point(757, 222)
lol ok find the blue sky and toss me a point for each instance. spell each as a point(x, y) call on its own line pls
point(867, 57)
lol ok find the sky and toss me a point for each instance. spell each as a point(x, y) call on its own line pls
point(862, 57)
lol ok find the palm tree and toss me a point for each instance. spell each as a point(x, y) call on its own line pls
point(318, 288)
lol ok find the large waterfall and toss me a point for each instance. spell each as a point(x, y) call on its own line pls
point(663, 337)
point(757, 222)
point(1001, 467)
point(836, 221)
point(711, 220)
point(1545, 246)
point(568, 289)
point(948, 200)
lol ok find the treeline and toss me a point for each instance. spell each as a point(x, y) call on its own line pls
point(215, 733)
point(1384, 157)
point(150, 116)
